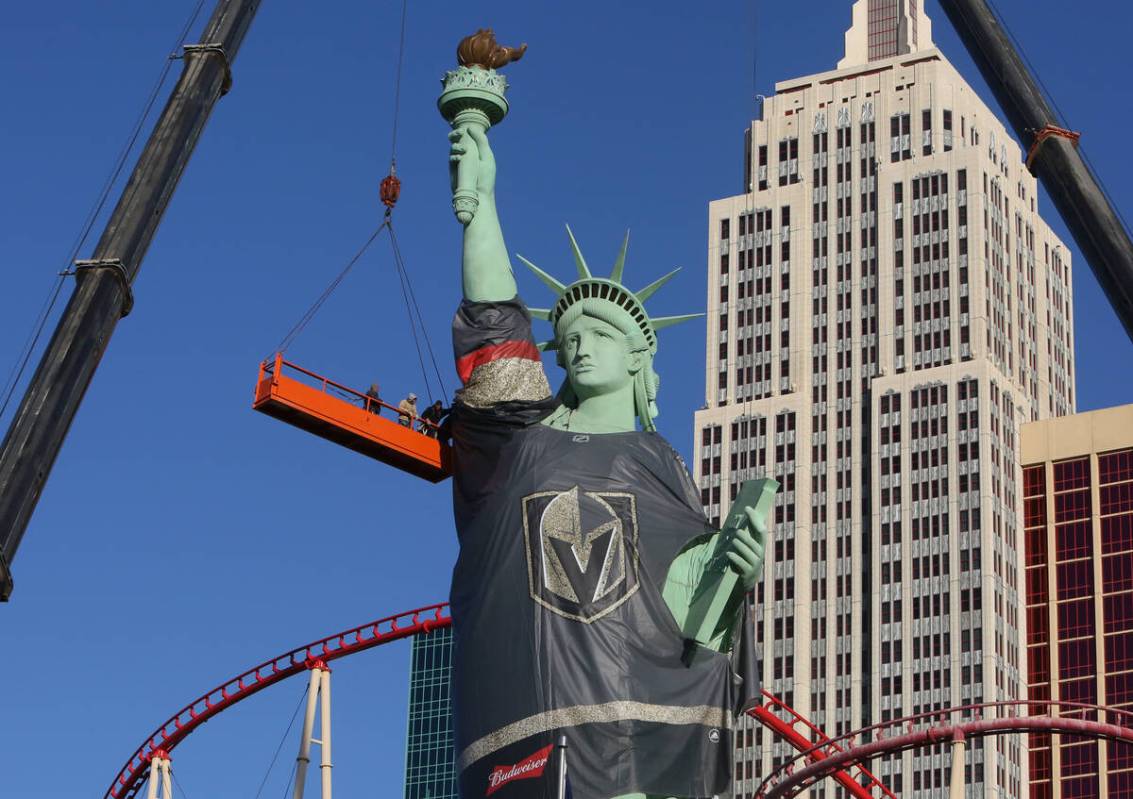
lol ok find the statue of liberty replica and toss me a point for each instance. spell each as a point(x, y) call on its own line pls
point(591, 598)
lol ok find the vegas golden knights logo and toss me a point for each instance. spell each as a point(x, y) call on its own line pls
point(581, 551)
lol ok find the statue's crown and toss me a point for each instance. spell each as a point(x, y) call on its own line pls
point(610, 290)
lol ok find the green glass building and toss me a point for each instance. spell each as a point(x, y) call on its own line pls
point(430, 762)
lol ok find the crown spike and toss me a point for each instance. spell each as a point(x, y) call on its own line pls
point(545, 346)
point(540, 313)
point(651, 289)
point(661, 322)
point(620, 264)
point(580, 262)
point(551, 282)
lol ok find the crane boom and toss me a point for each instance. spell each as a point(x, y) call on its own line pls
point(1093, 222)
point(102, 293)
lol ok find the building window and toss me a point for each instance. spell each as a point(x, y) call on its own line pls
point(788, 161)
point(900, 146)
point(430, 767)
point(883, 25)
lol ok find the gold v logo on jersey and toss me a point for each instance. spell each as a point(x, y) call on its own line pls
point(581, 551)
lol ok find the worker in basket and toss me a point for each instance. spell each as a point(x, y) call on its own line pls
point(407, 410)
point(431, 419)
point(374, 399)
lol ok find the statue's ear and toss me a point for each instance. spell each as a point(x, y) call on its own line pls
point(636, 361)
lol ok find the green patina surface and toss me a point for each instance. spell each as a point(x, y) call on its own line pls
point(606, 350)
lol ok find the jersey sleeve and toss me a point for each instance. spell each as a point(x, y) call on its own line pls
point(496, 356)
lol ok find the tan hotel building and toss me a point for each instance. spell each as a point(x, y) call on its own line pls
point(1078, 521)
point(886, 308)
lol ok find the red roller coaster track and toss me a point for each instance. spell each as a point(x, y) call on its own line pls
point(774, 714)
point(900, 734)
point(392, 628)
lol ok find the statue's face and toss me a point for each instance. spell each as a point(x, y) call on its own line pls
point(597, 357)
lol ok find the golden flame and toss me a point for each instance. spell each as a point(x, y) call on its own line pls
point(482, 50)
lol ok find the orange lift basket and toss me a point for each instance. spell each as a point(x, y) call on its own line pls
point(350, 418)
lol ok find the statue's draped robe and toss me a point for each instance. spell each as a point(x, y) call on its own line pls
point(561, 629)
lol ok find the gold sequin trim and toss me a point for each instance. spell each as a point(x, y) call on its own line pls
point(705, 715)
point(503, 380)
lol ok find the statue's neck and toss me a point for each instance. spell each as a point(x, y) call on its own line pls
point(602, 413)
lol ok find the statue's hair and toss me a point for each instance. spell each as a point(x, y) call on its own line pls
point(645, 381)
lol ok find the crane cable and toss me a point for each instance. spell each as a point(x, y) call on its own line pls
point(412, 309)
point(17, 371)
point(282, 741)
point(397, 86)
point(290, 779)
point(306, 318)
point(177, 782)
point(390, 189)
point(403, 279)
point(400, 264)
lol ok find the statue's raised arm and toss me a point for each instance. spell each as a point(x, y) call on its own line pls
point(472, 101)
point(496, 356)
point(486, 273)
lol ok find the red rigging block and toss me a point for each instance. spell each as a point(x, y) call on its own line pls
point(349, 418)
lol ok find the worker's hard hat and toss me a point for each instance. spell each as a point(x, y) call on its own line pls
point(412, 396)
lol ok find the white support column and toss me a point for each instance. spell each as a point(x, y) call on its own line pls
point(324, 744)
point(159, 787)
point(956, 784)
point(319, 686)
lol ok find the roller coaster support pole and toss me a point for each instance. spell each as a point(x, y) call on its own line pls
point(956, 784)
point(324, 743)
point(318, 688)
point(159, 787)
point(103, 293)
point(1053, 156)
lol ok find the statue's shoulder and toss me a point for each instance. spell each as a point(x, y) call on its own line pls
point(666, 453)
point(659, 444)
point(496, 357)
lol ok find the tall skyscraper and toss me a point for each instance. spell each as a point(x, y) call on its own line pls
point(430, 763)
point(886, 308)
point(1078, 521)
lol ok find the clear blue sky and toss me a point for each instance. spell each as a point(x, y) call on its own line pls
point(183, 537)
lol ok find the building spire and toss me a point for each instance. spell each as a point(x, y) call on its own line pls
point(885, 28)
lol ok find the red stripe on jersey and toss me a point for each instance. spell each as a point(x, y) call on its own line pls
point(494, 352)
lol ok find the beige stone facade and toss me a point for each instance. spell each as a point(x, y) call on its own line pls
point(885, 309)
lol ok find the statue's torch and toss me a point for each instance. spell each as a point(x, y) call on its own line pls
point(473, 96)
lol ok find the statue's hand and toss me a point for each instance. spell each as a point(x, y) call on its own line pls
point(470, 150)
point(745, 552)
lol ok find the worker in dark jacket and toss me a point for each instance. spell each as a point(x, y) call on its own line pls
point(375, 399)
point(431, 419)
